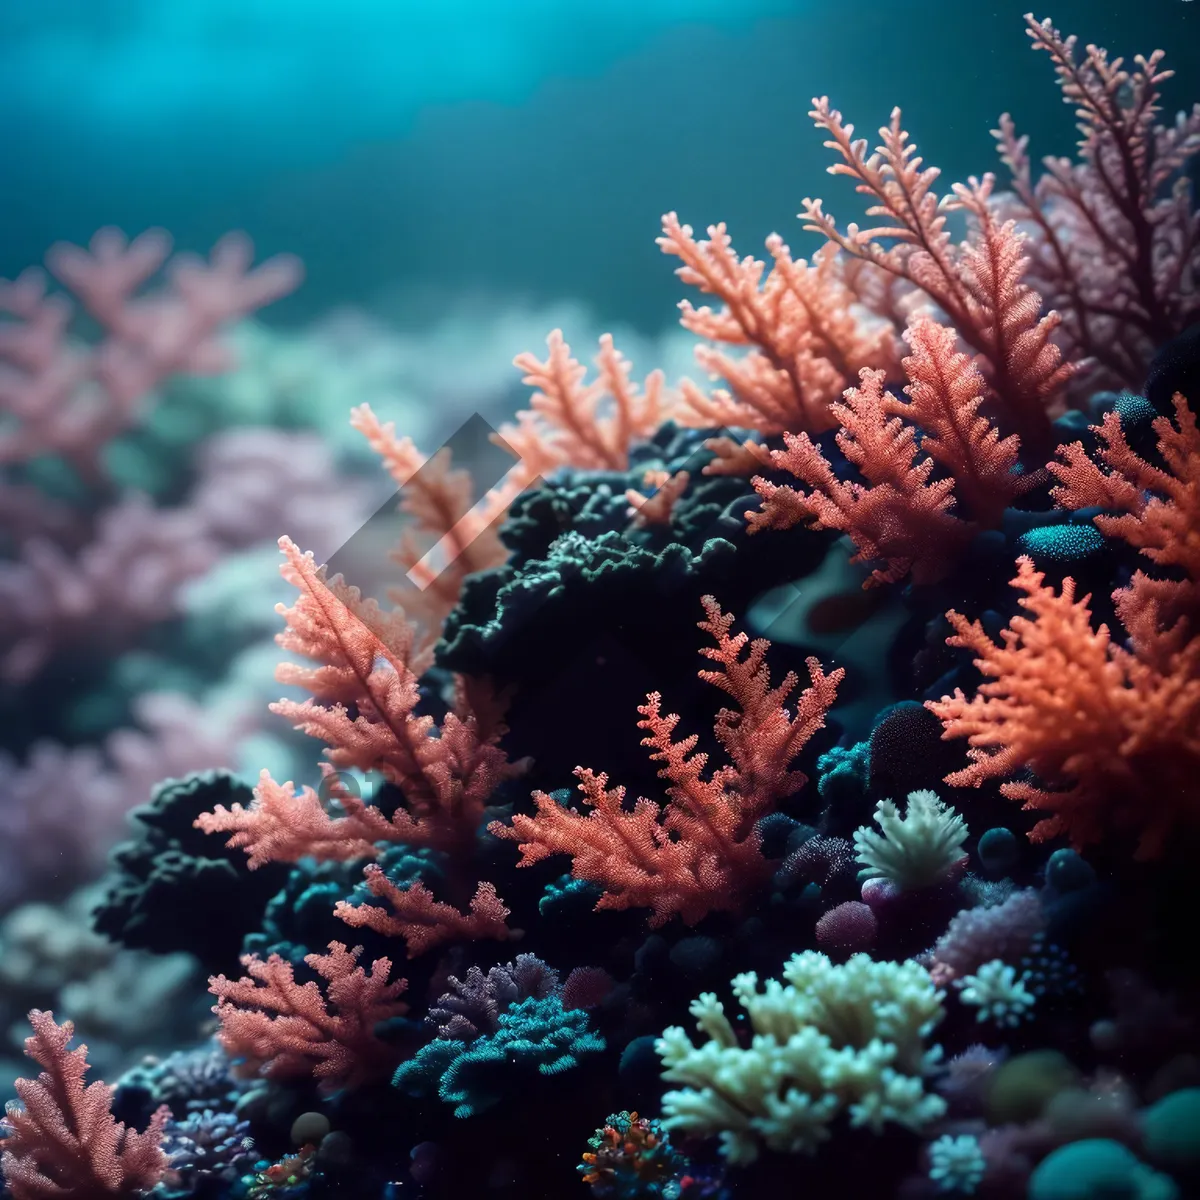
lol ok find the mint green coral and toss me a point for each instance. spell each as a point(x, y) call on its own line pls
point(916, 850)
point(829, 1039)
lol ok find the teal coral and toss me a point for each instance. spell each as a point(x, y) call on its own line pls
point(1098, 1167)
point(534, 1034)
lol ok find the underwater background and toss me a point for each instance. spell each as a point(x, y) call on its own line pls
point(538, 912)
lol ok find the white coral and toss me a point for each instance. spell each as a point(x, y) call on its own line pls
point(829, 1039)
point(998, 994)
point(916, 850)
point(956, 1164)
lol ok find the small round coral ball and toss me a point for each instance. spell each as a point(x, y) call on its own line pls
point(847, 929)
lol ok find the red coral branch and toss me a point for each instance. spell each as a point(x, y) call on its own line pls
point(282, 1029)
point(945, 391)
point(283, 826)
point(422, 921)
point(762, 737)
point(900, 516)
point(807, 342)
point(1113, 739)
point(63, 1140)
point(1155, 510)
point(700, 852)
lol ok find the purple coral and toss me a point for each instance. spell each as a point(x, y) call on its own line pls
point(473, 1005)
point(978, 935)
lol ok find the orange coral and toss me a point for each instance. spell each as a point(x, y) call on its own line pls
point(1159, 509)
point(945, 391)
point(282, 1029)
point(281, 826)
point(900, 516)
point(422, 921)
point(700, 852)
point(1156, 511)
point(63, 1141)
point(368, 664)
point(807, 344)
point(1114, 740)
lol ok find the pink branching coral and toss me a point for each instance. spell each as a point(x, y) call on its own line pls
point(700, 852)
point(945, 391)
point(62, 1139)
point(978, 284)
point(282, 1029)
point(806, 344)
point(107, 569)
point(447, 526)
point(62, 809)
point(901, 515)
point(1153, 509)
point(68, 399)
point(578, 424)
point(1114, 739)
point(369, 666)
point(1116, 243)
point(423, 922)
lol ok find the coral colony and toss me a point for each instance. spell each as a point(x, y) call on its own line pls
point(597, 891)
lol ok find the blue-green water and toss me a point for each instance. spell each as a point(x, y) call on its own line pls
point(527, 147)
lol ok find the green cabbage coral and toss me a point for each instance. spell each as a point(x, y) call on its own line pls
point(830, 1039)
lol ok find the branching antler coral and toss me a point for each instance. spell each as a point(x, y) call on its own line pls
point(700, 852)
point(807, 338)
point(578, 424)
point(978, 284)
point(370, 666)
point(422, 921)
point(282, 1029)
point(901, 515)
point(1117, 238)
point(63, 1140)
point(1113, 740)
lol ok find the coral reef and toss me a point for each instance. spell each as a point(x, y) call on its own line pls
point(931, 833)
